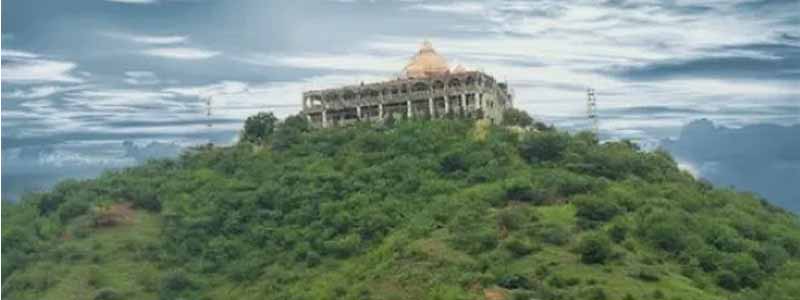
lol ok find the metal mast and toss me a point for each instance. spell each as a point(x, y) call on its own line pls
point(209, 122)
point(591, 109)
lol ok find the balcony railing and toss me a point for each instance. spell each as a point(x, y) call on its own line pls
point(396, 98)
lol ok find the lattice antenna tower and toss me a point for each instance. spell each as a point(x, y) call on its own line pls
point(591, 109)
point(209, 124)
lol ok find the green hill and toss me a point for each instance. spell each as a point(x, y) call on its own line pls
point(436, 209)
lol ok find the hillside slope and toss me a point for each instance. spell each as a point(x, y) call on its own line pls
point(440, 209)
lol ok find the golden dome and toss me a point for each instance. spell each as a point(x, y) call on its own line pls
point(426, 63)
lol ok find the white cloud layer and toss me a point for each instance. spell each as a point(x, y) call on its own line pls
point(141, 78)
point(42, 91)
point(183, 53)
point(148, 39)
point(24, 67)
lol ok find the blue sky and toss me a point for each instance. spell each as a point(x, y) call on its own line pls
point(81, 77)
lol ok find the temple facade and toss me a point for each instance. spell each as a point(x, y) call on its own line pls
point(426, 88)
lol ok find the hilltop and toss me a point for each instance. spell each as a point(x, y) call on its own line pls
point(426, 209)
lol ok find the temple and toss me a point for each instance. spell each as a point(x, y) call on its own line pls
point(426, 88)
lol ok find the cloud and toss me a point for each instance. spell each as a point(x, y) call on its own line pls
point(205, 91)
point(43, 91)
point(118, 100)
point(11, 54)
point(238, 100)
point(754, 61)
point(151, 150)
point(181, 53)
point(330, 61)
point(148, 39)
point(24, 68)
point(141, 78)
point(166, 46)
point(467, 8)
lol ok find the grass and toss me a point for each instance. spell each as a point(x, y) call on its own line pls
point(112, 258)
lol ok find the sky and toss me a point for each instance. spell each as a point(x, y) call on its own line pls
point(93, 84)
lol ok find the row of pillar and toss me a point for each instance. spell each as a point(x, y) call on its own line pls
point(409, 108)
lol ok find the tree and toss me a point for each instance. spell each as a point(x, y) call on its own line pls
point(666, 230)
point(597, 209)
point(543, 146)
point(594, 248)
point(516, 117)
point(259, 127)
point(289, 132)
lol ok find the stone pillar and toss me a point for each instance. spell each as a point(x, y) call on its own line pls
point(324, 118)
point(446, 104)
point(430, 107)
point(409, 111)
point(380, 111)
point(463, 104)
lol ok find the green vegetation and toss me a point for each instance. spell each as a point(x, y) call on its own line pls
point(429, 209)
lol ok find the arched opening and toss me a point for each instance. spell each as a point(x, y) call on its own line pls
point(314, 101)
point(330, 97)
point(369, 93)
point(420, 86)
point(348, 95)
point(469, 81)
point(438, 85)
point(454, 83)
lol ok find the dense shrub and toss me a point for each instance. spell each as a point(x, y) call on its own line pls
point(513, 281)
point(746, 271)
point(594, 293)
point(519, 247)
point(708, 259)
point(771, 257)
point(545, 146)
point(512, 218)
point(454, 162)
point(723, 238)
point(175, 281)
point(72, 208)
point(594, 248)
point(665, 230)
point(618, 232)
point(558, 281)
point(344, 246)
point(728, 280)
point(516, 117)
point(646, 273)
point(596, 208)
point(107, 294)
point(524, 191)
point(553, 233)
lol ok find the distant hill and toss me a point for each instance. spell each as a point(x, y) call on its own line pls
point(428, 209)
point(762, 158)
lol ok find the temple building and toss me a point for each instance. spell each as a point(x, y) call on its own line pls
point(426, 88)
